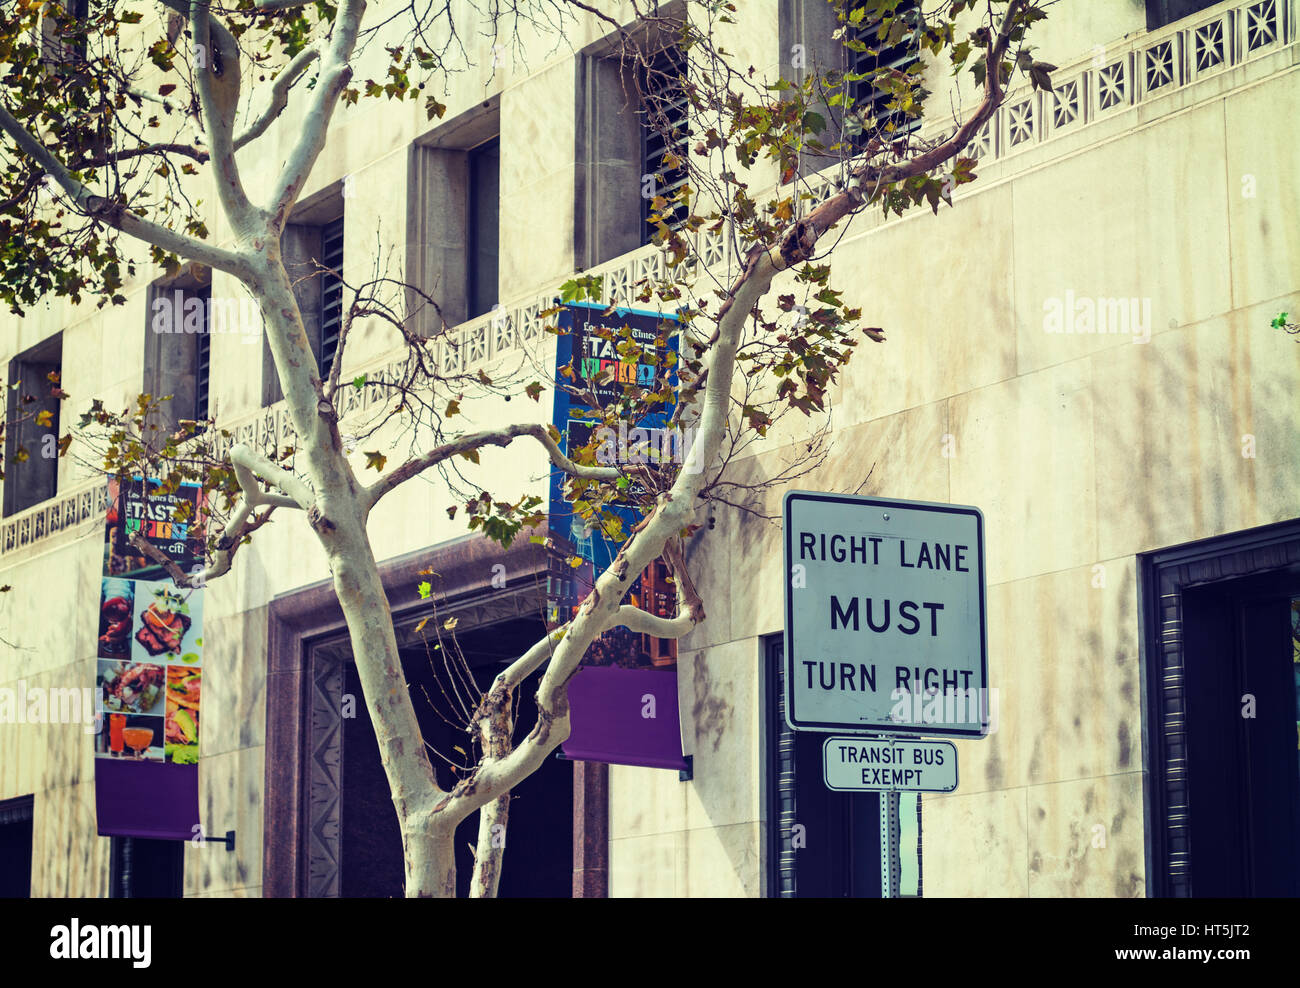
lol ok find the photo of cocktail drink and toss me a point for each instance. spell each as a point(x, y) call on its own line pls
point(138, 739)
point(116, 722)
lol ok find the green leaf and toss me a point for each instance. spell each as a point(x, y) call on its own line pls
point(375, 461)
point(814, 123)
point(359, 381)
point(424, 588)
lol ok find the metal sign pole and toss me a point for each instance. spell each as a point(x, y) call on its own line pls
point(891, 835)
point(890, 866)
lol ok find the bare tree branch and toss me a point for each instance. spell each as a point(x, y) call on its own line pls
point(334, 75)
point(248, 465)
point(278, 97)
point(218, 89)
point(116, 214)
point(477, 440)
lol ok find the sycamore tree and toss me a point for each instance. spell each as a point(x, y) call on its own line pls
point(108, 121)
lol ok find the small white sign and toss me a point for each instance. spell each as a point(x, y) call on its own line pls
point(858, 764)
point(884, 617)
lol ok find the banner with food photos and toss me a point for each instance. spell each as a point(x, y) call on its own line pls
point(623, 701)
point(149, 664)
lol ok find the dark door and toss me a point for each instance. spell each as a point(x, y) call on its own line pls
point(1243, 764)
point(539, 837)
point(144, 868)
point(16, 848)
point(822, 843)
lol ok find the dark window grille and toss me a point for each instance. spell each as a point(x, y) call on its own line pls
point(331, 323)
point(203, 358)
point(870, 103)
point(665, 128)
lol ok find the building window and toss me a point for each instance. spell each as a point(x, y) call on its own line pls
point(823, 843)
point(312, 248)
point(665, 115)
point(31, 466)
point(63, 42)
point(16, 848)
point(629, 116)
point(143, 868)
point(1221, 666)
point(899, 50)
point(807, 29)
point(1162, 12)
point(484, 167)
point(609, 214)
point(178, 348)
point(453, 220)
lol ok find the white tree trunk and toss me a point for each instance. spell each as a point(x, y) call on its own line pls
point(339, 519)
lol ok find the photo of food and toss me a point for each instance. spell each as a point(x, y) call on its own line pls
point(131, 738)
point(142, 739)
point(168, 623)
point(181, 731)
point(131, 687)
point(116, 616)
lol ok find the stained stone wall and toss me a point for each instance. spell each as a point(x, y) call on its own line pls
point(1081, 450)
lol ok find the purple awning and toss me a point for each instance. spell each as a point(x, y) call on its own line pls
point(142, 799)
point(608, 709)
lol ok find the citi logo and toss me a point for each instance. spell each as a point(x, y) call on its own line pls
point(75, 942)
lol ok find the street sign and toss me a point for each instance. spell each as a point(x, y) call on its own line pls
point(884, 619)
point(858, 764)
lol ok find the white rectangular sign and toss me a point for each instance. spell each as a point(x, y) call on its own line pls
point(858, 764)
point(884, 621)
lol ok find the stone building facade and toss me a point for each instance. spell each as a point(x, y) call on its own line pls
point(1157, 184)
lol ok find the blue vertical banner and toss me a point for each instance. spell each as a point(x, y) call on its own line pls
point(623, 701)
